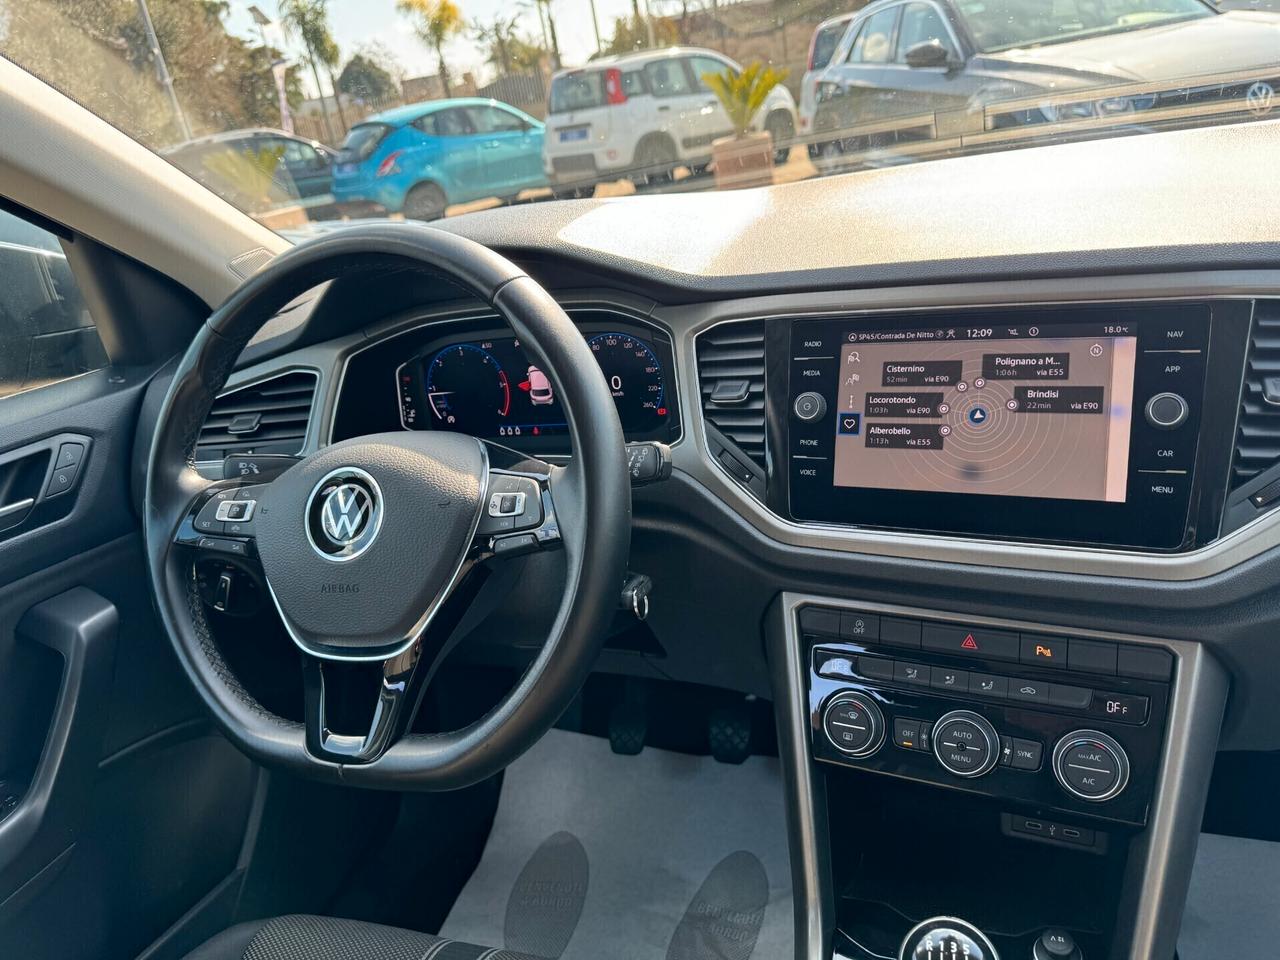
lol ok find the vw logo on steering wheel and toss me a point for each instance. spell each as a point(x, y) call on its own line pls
point(344, 514)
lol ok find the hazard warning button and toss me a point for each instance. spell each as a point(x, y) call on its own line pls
point(978, 642)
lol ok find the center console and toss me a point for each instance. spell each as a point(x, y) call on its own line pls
point(973, 787)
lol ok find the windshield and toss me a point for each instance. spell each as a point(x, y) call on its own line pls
point(310, 114)
point(1001, 24)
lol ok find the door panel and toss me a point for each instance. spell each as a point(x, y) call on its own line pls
point(120, 807)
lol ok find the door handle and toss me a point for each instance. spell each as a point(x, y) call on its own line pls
point(16, 509)
point(664, 108)
point(491, 144)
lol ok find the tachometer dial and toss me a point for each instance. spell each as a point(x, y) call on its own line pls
point(635, 379)
point(467, 390)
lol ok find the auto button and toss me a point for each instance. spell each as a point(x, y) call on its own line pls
point(965, 743)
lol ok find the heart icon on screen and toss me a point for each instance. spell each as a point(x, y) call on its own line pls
point(850, 422)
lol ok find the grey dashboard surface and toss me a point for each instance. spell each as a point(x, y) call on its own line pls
point(1128, 204)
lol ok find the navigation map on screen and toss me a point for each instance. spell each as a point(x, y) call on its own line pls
point(1004, 411)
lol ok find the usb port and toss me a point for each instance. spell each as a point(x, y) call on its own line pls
point(1071, 833)
point(1033, 826)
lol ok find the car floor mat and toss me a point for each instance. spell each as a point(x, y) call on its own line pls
point(547, 898)
point(686, 856)
point(725, 915)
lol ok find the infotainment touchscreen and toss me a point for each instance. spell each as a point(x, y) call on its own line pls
point(1055, 423)
point(1038, 411)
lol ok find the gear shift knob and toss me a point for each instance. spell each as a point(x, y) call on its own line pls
point(946, 938)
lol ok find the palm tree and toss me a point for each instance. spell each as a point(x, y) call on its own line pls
point(498, 35)
point(551, 25)
point(309, 21)
point(435, 21)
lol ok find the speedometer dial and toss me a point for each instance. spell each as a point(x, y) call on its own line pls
point(467, 390)
point(635, 379)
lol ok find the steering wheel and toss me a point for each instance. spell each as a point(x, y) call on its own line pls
point(373, 548)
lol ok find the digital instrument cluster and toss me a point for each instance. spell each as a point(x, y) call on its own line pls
point(488, 387)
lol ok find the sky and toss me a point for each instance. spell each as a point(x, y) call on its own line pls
point(357, 22)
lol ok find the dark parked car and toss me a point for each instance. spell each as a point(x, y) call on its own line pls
point(959, 72)
point(293, 169)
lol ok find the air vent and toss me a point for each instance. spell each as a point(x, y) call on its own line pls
point(731, 376)
point(1258, 437)
point(269, 416)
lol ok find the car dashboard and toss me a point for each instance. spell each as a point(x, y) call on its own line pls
point(997, 534)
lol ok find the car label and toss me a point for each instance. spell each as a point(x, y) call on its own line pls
point(569, 136)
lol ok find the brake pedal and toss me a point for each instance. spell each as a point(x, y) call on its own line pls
point(628, 727)
point(729, 734)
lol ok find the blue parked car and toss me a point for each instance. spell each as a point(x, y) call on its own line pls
point(420, 158)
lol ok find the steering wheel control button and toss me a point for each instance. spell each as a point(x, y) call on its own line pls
point(1091, 765)
point(506, 504)
point(236, 511)
point(810, 406)
point(965, 744)
point(946, 938)
point(235, 548)
point(344, 514)
point(1167, 411)
point(514, 504)
point(1055, 944)
point(854, 725)
point(976, 642)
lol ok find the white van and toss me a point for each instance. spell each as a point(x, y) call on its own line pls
point(641, 115)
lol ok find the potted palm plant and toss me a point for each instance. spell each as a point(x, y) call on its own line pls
point(746, 158)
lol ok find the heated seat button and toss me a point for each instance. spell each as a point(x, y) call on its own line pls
point(987, 685)
point(945, 678)
point(975, 642)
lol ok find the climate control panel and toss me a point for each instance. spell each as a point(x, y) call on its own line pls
point(1018, 718)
